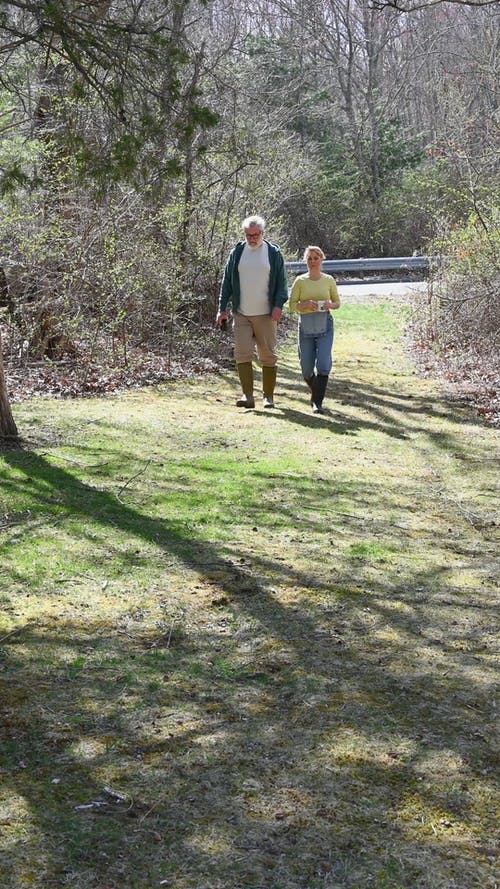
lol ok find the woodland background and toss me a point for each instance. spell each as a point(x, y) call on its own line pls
point(135, 136)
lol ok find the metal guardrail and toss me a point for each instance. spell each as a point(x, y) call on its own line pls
point(374, 264)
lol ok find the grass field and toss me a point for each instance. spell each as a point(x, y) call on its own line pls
point(252, 649)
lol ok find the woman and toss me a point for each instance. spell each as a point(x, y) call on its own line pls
point(313, 296)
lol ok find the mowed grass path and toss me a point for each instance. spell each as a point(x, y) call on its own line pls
point(251, 649)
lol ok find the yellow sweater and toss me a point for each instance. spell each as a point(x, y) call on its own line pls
point(304, 289)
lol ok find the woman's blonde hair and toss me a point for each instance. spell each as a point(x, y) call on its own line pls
point(309, 250)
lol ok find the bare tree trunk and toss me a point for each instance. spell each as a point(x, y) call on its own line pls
point(8, 428)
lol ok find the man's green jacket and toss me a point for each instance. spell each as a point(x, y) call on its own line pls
point(230, 287)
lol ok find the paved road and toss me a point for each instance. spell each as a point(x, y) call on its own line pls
point(392, 289)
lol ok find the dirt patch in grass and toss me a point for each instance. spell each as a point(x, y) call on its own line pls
point(252, 649)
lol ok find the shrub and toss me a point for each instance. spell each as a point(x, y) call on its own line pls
point(466, 307)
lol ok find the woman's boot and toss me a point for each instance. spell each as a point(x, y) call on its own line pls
point(310, 382)
point(245, 373)
point(319, 393)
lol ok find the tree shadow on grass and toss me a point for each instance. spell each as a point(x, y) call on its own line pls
point(307, 763)
point(400, 415)
point(222, 795)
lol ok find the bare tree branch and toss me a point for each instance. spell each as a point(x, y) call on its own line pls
point(408, 6)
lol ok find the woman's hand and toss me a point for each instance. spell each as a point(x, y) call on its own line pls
point(309, 304)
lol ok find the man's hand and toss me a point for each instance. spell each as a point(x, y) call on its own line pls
point(276, 314)
point(222, 316)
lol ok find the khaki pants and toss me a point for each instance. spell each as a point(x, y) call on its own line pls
point(252, 331)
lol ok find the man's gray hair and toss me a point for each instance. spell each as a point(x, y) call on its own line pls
point(252, 221)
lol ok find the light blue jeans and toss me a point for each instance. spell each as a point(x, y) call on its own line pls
point(315, 349)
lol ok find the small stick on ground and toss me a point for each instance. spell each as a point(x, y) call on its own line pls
point(132, 477)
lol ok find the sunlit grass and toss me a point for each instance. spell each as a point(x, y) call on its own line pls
point(250, 649)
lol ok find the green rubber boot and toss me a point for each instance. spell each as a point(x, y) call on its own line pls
point(245, 373)
point(268, 384)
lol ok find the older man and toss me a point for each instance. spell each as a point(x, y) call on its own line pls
point(254, 282)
